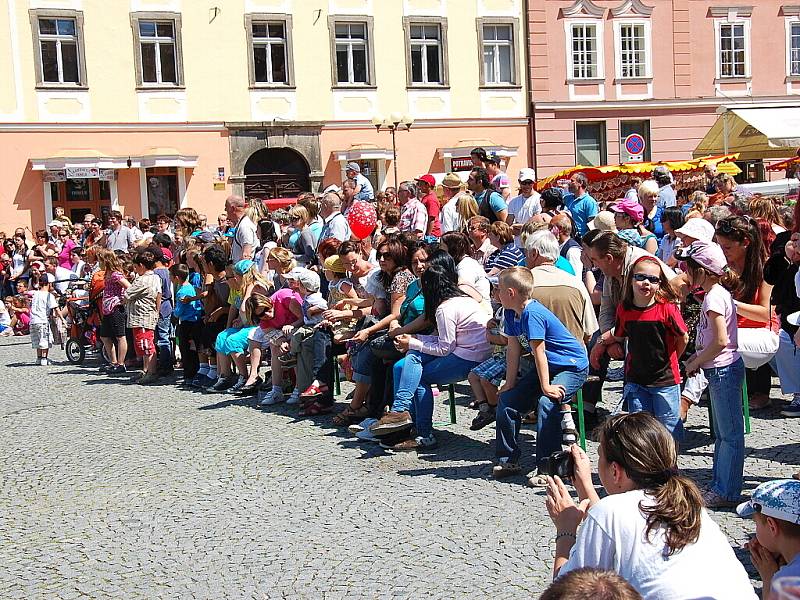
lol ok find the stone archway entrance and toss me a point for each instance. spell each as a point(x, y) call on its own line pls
point(275, 173)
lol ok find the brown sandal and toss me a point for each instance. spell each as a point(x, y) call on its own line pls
point(315, 409)
point(350, 415)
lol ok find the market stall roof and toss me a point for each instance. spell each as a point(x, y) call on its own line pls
point(724, 164)
point(753, 133)
point(784, 164)
point(462, 148)
point(363, 152)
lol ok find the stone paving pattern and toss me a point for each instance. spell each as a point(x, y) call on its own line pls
point(111, 490)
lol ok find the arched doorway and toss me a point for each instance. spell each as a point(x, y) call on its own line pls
point(275, 173)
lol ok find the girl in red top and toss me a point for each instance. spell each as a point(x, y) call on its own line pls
point(650, 319)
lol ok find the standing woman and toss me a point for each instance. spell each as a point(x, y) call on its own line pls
point(20, 260)
point(67, 244)
point(112, 310)
point(43, 248)
point(304, 247)
point(740, 239)
point(96, 235)
point(648, 198)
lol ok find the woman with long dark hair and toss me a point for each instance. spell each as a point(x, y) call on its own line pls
point(470, 271)
point(652, 528)
point(740, 239)
point(446, 357)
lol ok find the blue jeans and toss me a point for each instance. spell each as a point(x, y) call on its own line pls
point(164, 343)
point(519, 400)
point(725, 390)
point(662, 402)
point(413, 376)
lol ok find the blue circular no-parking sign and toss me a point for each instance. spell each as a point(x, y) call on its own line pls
point(634, 144)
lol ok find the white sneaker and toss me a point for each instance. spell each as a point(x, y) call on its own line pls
point(365, 435)
point(294, 398)
point(43, 362)
point(271, 397)
point(362, 426)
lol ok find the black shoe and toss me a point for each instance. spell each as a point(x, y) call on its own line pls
point(116, 370)
point(223, 384)
point(105, 368)
point(486, 416)
point(249, 390)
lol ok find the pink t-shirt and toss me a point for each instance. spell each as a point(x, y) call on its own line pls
point(63, 256)
point(283, 316)
point(719, 300)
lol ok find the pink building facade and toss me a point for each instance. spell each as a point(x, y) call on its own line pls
point(667, 70)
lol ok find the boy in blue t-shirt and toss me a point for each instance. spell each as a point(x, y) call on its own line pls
point(561, 367)
point(189, 312)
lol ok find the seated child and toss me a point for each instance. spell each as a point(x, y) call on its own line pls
point(340, 291)
point(309, 342)
point(775, 549)
point(5, 320)
point(561, 369)
point(284, 307)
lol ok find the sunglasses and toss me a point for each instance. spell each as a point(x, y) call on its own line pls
point(526, 182)
point(654, 279)
point(382, 255)
point(729, 225)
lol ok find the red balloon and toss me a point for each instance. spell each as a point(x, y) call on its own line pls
point(363, 219)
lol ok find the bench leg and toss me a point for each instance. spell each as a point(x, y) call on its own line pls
point(581, 424)
point(451, 391)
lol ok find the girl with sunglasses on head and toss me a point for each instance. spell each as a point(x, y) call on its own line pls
point(651, 322)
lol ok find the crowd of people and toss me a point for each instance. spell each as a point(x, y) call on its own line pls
point(527, 297)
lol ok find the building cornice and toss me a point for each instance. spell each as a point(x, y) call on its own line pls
point(632, 7)
point(585, 8)
point(773, 102)
point(731, 12)
point(790, 11)
point(110, 127)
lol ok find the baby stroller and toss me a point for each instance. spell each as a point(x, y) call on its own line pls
point(84, 322)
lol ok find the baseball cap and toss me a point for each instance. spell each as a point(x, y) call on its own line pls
point(527, 175)
point(427, 178)
point(351, 166)
point(707, 254)
point(451, 180)
point(698, 229)
point(779, 499)
point(332, 188)
point(794, 319)
point(243, 266)
point(167, 253)
point(661, 170)
point(491, 157)
point(604, 221)
point(306, 277)
point(206, 237)
point(55, 223)
point(629, 207)
point(334, 263)
point(38, 265)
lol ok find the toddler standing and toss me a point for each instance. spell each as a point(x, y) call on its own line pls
point(42, 304)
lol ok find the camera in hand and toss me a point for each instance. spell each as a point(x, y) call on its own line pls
point(559, 464)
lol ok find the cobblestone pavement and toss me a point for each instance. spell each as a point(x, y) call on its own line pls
point(110, 490)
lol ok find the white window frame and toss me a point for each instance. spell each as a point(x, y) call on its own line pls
point(599, 37)
point(175, 40)
point(367, 23)
point(65, 15)
point(267, 19)
point(718, 24)
point(157, 41)
point(791, 22)
point(427, 45)
point(513, 25)
point(648, 48)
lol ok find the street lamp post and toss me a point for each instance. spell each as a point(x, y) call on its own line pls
point(393, 122)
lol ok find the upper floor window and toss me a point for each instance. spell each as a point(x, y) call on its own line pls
point(732, 50)
point(157, 49)
point(353, 53)
point(585, 51)
point(497, 43)
point(632, 50)
point(58, 37)
point(270, 44)
point(794, 49)
point(426, 41)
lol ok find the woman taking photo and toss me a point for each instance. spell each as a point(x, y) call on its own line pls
point(43, 248)
point(652, 528)
point(305, 246)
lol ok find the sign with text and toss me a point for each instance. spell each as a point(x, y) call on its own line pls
point(54, 176)
point(107, 175)
point(83, 173)
point(461, 164)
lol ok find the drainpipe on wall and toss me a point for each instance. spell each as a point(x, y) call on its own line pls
point(530, 108)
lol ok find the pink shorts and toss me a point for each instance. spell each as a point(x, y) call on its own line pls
point(143, 342)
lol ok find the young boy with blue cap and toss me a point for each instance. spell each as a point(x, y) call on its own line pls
point(775, 550)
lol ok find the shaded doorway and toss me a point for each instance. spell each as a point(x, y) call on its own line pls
point(275, 173)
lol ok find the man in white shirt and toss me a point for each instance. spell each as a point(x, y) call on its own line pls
point(245, 239)
point(334, 223)
point(449, 217)
point(522, 208)
point(61, 276)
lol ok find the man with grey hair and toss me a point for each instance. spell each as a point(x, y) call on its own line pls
point(544, 249)
point(245, 238)
point(334, 223)
point(363, 186)
point(413, 215)
point(714, 214)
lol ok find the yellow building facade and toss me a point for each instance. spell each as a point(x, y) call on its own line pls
point(149, 105)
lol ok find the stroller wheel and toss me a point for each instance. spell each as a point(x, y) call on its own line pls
point(75, 351)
